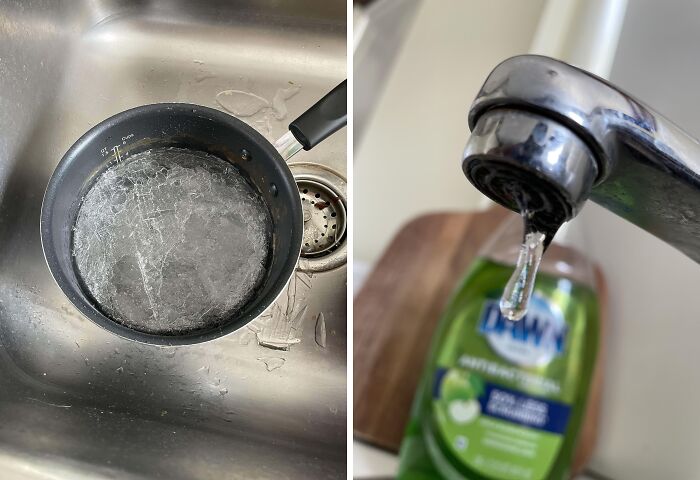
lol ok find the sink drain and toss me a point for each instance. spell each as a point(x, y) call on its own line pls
point(323, 192)
point(324, 218)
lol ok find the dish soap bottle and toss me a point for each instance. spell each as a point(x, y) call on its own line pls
point(502, 399)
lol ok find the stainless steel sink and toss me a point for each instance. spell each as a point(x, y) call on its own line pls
point(268, 401)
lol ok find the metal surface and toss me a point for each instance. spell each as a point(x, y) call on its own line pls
point(324, 217)
point(288, 146)
point(335, 185)
point(509, 160)
point(267, 401)
point(646, 169)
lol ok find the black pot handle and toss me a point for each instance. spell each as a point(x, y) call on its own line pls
point(324, 118)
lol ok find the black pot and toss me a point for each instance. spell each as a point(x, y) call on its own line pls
point(197, 128)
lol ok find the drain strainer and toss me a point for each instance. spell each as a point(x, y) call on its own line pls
point(324, 217)
point(323, 192)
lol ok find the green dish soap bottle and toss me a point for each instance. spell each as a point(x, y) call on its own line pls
point(502, 399)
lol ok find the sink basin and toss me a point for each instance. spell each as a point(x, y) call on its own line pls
point(268, 401)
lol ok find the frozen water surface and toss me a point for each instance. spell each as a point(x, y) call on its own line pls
point(171, 241)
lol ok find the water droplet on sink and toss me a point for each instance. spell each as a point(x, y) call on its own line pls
point(272, 363)
point(321, 330)
point(200, 77)
point(120, 370)
point(279, 101)
point(240, 103)
point(223, 391)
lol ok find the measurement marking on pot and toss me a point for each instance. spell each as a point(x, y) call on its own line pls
point(115, 150)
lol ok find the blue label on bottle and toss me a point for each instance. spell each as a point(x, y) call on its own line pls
point(516, 407)
point(526, 410)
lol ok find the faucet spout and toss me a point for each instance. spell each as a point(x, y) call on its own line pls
point(547, 136)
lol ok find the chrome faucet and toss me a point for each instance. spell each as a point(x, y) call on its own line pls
point(547, 136)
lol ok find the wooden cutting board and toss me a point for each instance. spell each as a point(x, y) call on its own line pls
point(397, 310)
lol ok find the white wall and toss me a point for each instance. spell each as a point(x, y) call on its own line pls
point(408, 161)
point(652, 390)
